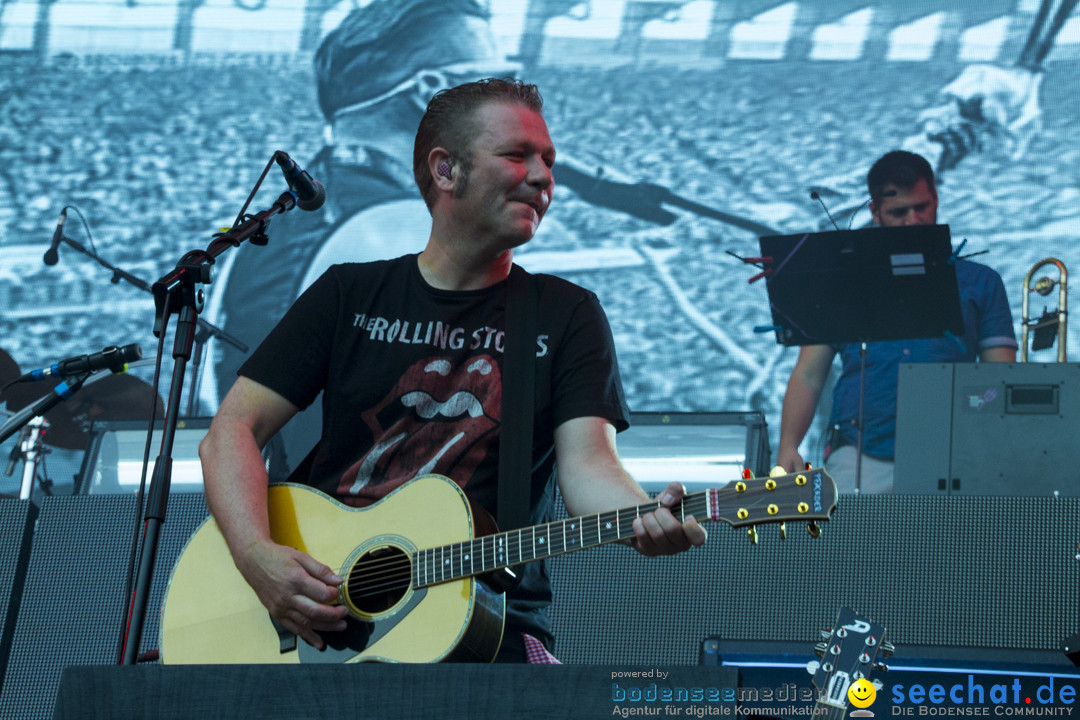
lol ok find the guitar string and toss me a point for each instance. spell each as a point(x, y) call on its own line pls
point(394, 573)
point(465, 551)
point(397, 569)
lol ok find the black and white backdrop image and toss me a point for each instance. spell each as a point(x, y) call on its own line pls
point(685, 129)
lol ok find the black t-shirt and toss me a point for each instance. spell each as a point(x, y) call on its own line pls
point(412, 379)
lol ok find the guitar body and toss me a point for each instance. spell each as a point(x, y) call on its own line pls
point(211, 616)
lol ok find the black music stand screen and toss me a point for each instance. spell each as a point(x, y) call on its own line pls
point(872, 284)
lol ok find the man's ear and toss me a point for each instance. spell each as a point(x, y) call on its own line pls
point(874, 212)
point(441, 166)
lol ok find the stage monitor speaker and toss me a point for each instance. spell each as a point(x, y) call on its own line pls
point(987, 429)
point(114, 456)
point(366, 691)
point(16, 530)
point(699, 448)
point(73, 596)
point(979, 578)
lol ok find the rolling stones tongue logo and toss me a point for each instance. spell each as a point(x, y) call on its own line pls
point(435, 420)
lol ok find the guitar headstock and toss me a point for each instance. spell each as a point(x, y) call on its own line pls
point(848, 654)
point(809, 496)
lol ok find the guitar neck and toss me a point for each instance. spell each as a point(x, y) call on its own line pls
point(806, 496)
point(514, 547)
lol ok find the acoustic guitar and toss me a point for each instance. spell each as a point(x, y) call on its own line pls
point(411, 563)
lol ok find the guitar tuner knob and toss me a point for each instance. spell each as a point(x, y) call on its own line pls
point(835, 649)
point(752, 534)
point(864, 659)
point(877, 684)
point(841, 633)
point(783, 531)
point(826, 634)
point(820, 649)
point(881, 667)
point(813, 529)
point(812, 667)
point(827, 667)
point(871, 641)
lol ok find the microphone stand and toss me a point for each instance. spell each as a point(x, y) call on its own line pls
point(178, 292)
point(859, 429)
point(206, 329)
point(30, 446)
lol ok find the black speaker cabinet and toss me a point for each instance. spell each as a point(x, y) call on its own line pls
point(16, 527)
point(988, 429)
point(73, 595)
point(951, 577)
point(362, 691)
point(984, 577)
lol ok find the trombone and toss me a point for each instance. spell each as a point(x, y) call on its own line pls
point(1051, 323)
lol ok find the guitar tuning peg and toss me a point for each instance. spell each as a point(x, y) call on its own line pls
point(812, 667)
point(813, 529)
point(820, 649)
point(752, 533)
point(783, 531)
point(825, 634)
point(887, 649)
point(877, 684)
point(881, 667)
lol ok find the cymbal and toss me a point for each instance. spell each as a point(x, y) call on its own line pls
point(103, 397)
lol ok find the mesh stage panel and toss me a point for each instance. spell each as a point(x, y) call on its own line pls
point(996, 573)
point(16, 517)
point(73, 597)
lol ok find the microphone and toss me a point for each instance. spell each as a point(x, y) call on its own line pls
point(111, 358)
point(51, 256)
point(63, 391)
point(310, 193)
point(814, 196)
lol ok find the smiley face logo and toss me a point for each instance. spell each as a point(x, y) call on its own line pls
point(862, 693)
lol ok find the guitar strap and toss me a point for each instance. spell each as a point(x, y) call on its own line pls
point(518, 397)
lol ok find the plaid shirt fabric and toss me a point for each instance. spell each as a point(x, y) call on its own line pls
point(536, 653)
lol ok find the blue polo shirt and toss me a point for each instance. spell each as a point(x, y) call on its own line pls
point(987, 323)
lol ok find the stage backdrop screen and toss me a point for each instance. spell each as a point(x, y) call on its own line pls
point(685, 129)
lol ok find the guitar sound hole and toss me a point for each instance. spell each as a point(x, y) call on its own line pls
point(379, 580)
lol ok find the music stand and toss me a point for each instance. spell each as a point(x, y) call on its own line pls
point(862, 286)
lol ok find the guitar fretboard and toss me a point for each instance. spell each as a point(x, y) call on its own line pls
point(492, 552)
